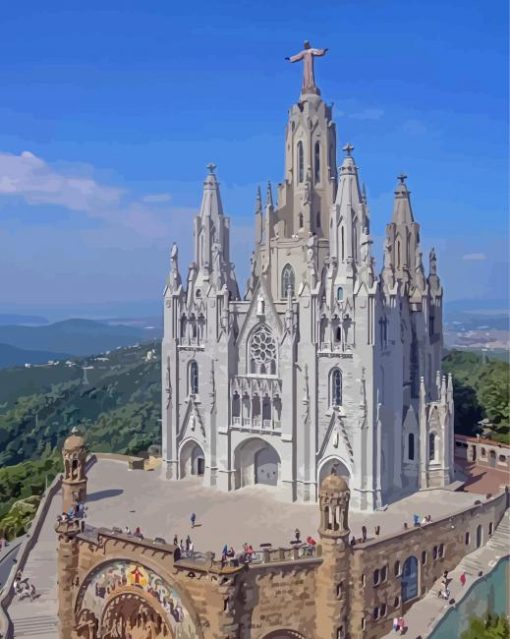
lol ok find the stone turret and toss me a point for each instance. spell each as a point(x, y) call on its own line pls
point(74, 484)
point(332, 584)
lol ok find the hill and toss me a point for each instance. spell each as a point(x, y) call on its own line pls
point(13, 356)
point(74, 336)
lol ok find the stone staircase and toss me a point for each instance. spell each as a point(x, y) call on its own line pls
point(489, 554)
point(40, 626)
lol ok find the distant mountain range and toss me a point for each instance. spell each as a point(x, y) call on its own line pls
point(20, 344)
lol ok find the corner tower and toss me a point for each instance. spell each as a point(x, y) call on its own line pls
point(74, 484)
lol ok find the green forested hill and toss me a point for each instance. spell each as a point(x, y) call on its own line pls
point(481, 390)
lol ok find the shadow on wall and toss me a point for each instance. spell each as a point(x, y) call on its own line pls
point(104, 494)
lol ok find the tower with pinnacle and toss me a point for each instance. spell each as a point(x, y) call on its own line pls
point(323, 361)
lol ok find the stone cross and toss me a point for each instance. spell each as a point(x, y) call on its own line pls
point(307, 55)
point(211, 167)
point(402, 177)
point(348, 149)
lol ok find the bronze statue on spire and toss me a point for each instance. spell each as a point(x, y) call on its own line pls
point(307, 55)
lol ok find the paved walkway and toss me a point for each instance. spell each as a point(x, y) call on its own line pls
point(427, 613)
point(38, 618)
point(120, 497)
point(483, 479)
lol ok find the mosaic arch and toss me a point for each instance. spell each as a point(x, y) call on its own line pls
point(123, 597)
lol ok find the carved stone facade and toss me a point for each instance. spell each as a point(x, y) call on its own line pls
point(324, 360)
point(116, 586)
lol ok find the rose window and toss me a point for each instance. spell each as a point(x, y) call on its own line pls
point(263, 352)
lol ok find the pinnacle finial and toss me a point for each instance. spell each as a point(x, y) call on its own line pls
point(211, 167)
point(348, 149)
point(269, 195)
point(402, 177)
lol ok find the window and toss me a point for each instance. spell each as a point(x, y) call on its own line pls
point(340, 294)
point(339, 590)
point(363, 623)
point(490, 528)
point(396, 568)
point(410, 579)
point(410, 446)
point(375, 614)
point(377, 577)
point(396, 602)
point(193, 378)
point(300, 162)
point(183, 326)
point(502, 459)
point(301, 223)
point(340, 634)
point(336, 387)
point(288, 281)
point(363, 580)
point(482, 452)
point(318, 220)
point(466, 539)
point(440, 550)
point(432, 446)
point(382, 610)
point(424, 557)
point(384, 573)
point(338, 335)
point(434, 552)
point(262, 352)
point(343, 242)
point(236, 405)
point(317, 162)
point(479, 536)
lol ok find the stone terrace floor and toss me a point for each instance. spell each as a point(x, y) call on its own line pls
point(256, 514)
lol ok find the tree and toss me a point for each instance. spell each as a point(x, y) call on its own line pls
point(489, 627)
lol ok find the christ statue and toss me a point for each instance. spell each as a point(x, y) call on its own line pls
point(307, 55)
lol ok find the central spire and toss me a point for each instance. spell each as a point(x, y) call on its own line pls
point(307, 55)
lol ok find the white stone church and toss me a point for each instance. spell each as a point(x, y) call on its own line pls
point(323, 361)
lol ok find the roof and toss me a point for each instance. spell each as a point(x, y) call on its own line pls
point(74, 441)
point(333, 483)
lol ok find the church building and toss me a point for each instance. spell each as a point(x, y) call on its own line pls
point(323, 361)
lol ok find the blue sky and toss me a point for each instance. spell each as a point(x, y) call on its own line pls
point(111, 111)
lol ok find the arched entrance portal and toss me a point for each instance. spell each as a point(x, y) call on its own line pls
point(339, 466)
point(128, 614)
point(409, 579)
point(192, 459)
point(256, 462)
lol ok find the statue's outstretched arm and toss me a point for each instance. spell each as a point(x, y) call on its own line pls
point(297, 57)
point(319, 52)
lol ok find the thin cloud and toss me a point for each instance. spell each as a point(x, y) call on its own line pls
point(474, 257)
point(367, 114)
point(156, 198)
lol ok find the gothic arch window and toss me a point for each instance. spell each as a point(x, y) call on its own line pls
point(410, 447)
point(300, 162)
point(355, 239)
point(398, 253)
point(432, 446)
point(236, 405)
point(335, 382)
point(343, 243)
point(301, 222)
point(193, 377)
point(288, 281)
point(318, 220)
point(338, 335)
point(317, 162)
point(183, 326)
point(262, 352)
point(340, 294)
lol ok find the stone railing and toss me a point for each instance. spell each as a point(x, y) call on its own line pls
point(6, 625)
point(136, 463)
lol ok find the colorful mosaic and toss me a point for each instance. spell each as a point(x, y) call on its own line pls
point(116, 575)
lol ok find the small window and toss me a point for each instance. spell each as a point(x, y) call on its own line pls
point(340, 294)
point(396, 568)
point(502, 459)
point(490, 528)
point(193, 378)
point(363, 623)
point(340, 634)
point(363, 579)
point(396, 602)
point(434, 552)
point(382, 610)
point(432, 446)
point(440, 550)
point(377, 576)
point(301, 222)
point(318, 220)
point(198, 293)
point(288, 281)
point(384, 573)
point(339, 590)
point(336, 387)
point(410, 446)
point(424, 557)
point(338, 335)
point(317, 162)
point(300, 162)
point(466, 539)
point(483, 453)
point(375, 613)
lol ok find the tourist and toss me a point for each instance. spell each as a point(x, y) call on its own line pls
point(33, 593)
point(127, 530)
point(297, 534)
point(364, 533)
point(429, 518)
point(405, 525)
point(138, 533)
point(424, 520)
point(401, 625)
point(353, 540)
point(463, 579)
point(176, 540)
point(377, 531)
point(188, 543)
point(395, 624)
point(193, 519)
point(190, 548)
point(416, 520)
point(182, 547)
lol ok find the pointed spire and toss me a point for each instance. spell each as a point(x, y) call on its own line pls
point(402, 211)
point(449, 389)
point(269, 196)
point(443, 389)
point(211, 200)
point(259, 218)
point(432, 262)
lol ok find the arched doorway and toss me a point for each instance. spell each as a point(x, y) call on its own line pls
point(128, 614)
point(192, 459)
point(492, 458)
point(328, 465)
point(479, 536)
point(256, 462)
point(409, 579)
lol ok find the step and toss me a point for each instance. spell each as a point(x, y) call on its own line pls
point(36, 626)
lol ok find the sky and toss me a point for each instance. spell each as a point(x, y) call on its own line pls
point(110, 112)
